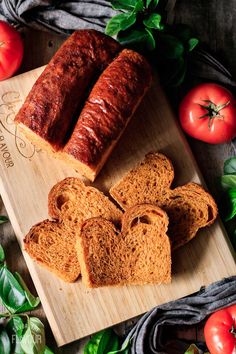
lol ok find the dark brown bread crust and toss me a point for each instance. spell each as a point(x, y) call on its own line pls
point(108, 109)
point(49, 107)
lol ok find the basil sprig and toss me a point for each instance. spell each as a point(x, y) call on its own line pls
point(228, 182)
point(14, 293)
point(135, 27)
point(228, 202)
point(140, 26)
point(20, 333)
point(106, 342)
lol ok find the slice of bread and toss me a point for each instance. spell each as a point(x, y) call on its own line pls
point(54, 248)
point(189, 207)
point(72, 202)
point(140, 254)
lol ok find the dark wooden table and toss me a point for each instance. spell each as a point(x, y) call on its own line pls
point(214, 21)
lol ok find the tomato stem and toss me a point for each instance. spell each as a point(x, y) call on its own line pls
point(213, 111)
point(1, 44)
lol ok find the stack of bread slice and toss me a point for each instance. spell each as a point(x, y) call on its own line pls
point(53, 243)
point(189, 207)
point(140, 253)
point(90, 235)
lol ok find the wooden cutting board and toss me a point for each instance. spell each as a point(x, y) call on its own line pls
point(27, 175)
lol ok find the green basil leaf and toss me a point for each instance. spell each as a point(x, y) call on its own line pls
point(11, 293)
point(230, 195)
point(34, 301)
point(16, 325)
point(2, 255)
point(171, 46)
point(109, 341)
point(47, 350)
point(153, 21)
point(139, 7)
point(230, 166)
point(3, 219)
point(92, 346)
point(123, 4)
point(15, 328)
point(192, 43)
point(151, 4)
point(228, 181)
point(102, 342)
point(24, 308)
point(33, 340)
point(17, 349)
point(5, 344)
point(193, 349)
point(124, 348)
point(140, 40)
point(120, 23)
point(151, 43)
point(132, 37)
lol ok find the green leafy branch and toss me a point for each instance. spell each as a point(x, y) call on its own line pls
point(106, 342)
point(228, 205)
point(19, 333)
point(139, 19)
point(140, 26)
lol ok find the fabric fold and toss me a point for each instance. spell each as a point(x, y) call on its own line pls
point(58, 16)
point(151, 334)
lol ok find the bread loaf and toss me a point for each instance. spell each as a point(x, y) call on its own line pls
point(48, 114)
point(106, 113)
point(140, 254)
point(189, 207)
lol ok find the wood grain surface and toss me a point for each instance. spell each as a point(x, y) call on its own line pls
point(214, 23)
point(27, 175)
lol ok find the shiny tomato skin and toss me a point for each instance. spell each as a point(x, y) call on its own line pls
point(11, 50)
point(222, 129)
point(219, 339)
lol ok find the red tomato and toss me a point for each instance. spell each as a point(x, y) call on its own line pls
point(208, 113)
point(11, 50)
point(220, 331)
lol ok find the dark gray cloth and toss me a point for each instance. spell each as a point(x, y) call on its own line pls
point(205, 67)
point(151, 333)
point(58, 16)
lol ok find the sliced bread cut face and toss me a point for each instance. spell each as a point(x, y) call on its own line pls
point(150, 179)
point(50, 244)
point(189, 207)
point(71, 202)
point(139, 254)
